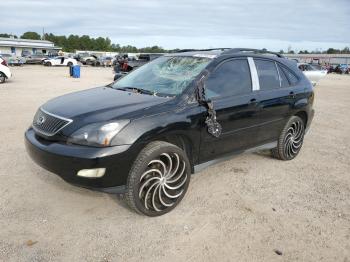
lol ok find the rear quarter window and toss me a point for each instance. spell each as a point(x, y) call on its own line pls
point(293, 79)
point(284, 79)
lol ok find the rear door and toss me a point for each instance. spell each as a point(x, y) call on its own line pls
point(276, 98)
point(230, 87)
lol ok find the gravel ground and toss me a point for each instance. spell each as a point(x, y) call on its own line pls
point(244, 209)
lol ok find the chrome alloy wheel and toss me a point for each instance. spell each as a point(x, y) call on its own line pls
point(163, 182)
point(294, 139)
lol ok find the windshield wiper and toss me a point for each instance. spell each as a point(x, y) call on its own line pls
point(137, 90)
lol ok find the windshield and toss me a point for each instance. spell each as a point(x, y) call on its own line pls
point(168, 75)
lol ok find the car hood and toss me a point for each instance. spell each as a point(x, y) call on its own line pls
point(101, 104)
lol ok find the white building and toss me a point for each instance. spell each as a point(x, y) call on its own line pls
point(28, 46)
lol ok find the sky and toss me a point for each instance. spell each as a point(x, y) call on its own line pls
point(271, 24)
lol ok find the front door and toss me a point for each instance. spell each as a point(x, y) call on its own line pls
point(230, 88)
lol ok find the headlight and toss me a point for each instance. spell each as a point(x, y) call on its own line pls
point(99, 134)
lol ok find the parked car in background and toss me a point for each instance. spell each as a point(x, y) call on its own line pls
point(125, 65)
point(13, 60)
point(313, 73)
point(25, 53)
point(103, 61)
point(80, 55)
point(145, 134)
point(5, 72)
point(35, 58)
point(88, 60)
point(142, 59)
point(342, 69)
point(60, 61)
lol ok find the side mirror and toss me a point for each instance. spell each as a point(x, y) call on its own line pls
point(213, 126)
point(200, 92)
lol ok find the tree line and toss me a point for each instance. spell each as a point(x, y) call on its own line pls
point(345, 50)
point(85, 42)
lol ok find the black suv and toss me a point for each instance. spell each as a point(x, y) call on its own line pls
point(145, 134)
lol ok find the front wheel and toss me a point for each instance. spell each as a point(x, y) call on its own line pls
point(69, 64)
point(158, 179)
point(290, 140)
point(2, 78)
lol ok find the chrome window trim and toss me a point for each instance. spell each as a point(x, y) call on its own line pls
point(254, 74)
point(279, 75)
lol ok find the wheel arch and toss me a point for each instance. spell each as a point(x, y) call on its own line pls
point(303, 115)
point(183, 142)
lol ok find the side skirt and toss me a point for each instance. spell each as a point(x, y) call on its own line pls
point(228, 156)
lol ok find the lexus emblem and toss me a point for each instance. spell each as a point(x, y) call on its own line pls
point(40, 120)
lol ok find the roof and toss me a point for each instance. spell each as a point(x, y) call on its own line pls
point(210, 53)
point(25, 40)
point(215, 52)
point(17, 42)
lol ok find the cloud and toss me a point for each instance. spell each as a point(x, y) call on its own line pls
point(198, 23)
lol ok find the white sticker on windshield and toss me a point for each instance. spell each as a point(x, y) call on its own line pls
point(205, 56)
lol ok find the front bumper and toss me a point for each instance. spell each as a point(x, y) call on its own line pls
point(66, 160)
point(6, 71)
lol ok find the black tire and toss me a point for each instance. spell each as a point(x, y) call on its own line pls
point(69, 64)
point(48, 64)
point(151, 175)
point(2, 78)
point(290, 140)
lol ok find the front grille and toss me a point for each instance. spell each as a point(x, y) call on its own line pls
point(49, 124)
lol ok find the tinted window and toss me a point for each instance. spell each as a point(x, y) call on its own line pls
point(230, 78)
point(291, 77)
point(284, 79)
point(268, 75)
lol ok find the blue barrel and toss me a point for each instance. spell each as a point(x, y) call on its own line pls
point(75, 71)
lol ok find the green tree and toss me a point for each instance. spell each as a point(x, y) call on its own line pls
point(332, 51)
point(8, 35)
point(31, 35)
point(346, 50)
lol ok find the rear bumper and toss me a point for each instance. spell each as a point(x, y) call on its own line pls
point(66, 160)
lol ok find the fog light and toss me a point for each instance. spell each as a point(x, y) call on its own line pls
point(96, 172)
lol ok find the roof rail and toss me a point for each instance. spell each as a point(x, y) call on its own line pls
point(194, 50)
point(257, 51)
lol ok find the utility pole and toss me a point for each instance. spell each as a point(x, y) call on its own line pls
point(43, 37)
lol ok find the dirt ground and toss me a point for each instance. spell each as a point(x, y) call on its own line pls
point(244, 209)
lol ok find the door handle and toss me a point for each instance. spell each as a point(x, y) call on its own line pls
point(253, 101)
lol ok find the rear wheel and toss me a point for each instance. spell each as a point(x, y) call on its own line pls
point(69, 64)
point(2, 78)
point(48, 64)
point(290, 140)
point(158, 180)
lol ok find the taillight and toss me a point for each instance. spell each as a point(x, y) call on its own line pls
point(4, 63)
